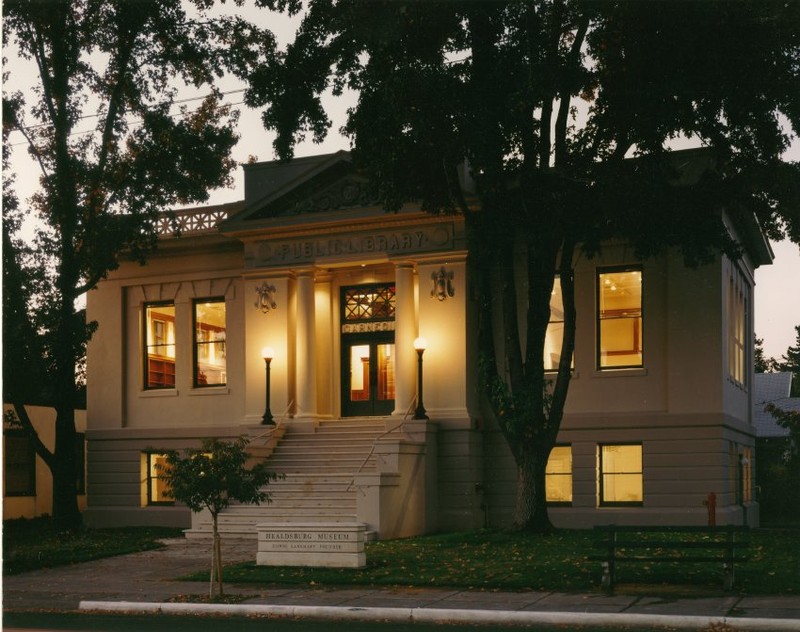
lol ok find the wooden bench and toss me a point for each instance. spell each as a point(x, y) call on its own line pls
point(638, 545)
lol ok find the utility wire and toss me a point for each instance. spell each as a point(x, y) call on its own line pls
point(133, 123)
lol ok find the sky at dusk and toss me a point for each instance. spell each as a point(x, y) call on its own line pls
point(777, 298)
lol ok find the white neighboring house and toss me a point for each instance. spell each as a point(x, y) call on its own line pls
point(777, 483)
point(772, 388)
point(310, 266)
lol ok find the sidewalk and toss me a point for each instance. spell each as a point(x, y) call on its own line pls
point(142, 582)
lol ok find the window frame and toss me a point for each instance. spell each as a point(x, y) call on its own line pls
point(601, 476)
point(739, 293)
point(146, 346)
point(149, 481)
point(19, 433)
point(598, 324)
point(195, 343)
point(547, 477)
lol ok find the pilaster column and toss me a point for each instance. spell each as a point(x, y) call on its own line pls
point(323, 317)
point(405, 322)
point(305, 367)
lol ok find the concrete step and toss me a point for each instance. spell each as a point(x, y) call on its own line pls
point(319, 467)
point(293, 502)
point(323, 462)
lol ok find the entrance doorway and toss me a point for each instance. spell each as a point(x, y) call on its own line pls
point(368, 350)
point(368, 375)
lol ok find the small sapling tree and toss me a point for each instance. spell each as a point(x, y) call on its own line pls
point(211, 477)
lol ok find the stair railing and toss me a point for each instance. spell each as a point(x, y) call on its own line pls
point(271, 430)
point(352, 484)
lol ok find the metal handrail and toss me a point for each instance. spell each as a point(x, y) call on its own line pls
point(351, 484)
point(278, 423)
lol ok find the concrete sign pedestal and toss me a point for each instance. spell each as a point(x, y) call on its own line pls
point(325, 544)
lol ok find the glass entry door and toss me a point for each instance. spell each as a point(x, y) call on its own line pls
point(368, 374)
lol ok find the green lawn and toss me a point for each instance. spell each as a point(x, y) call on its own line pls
point(555, 562)
point(33, 544)
point(488, 559)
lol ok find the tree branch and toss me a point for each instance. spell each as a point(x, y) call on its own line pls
point(553, 37)
point(564, 376)
point(25, 421)
point(33, 150)
point(565, 91)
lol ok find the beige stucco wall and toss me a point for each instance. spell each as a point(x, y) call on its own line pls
point(116, 397)
point(688, 416)
point(43, 419)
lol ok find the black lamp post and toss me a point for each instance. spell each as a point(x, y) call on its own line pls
point(267, 353)
point(419, 345)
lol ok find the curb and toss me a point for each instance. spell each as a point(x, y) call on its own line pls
point(440, 615)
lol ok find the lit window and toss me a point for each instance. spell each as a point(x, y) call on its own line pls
point(159, 366)
point(621, 474)
point(154, 490)
point(737, 308)
point(619, 318)
point(209, 343)
point(555, 330)
point(558, 476)
point(369, 302)
point(19, 464)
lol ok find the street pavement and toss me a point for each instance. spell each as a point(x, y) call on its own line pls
point(146, 582)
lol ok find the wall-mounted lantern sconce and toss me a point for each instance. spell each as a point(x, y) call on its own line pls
point(420, 344)
point(442, 284)
point(267, 353)
point(265, 301)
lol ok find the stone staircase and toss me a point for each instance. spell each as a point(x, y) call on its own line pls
point(318, 466)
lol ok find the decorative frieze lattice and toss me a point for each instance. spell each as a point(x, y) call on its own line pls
point(190, 221)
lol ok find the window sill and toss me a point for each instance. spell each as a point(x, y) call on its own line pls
point(551, 375)
point(737, 384)
point(159, 392)
point(640, 372)
point(210, 390)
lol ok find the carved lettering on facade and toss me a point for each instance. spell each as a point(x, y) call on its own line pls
point(308, 249)
point(358, 328)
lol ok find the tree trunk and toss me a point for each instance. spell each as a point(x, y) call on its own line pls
point(216, 559)
point(530, 513)
point(65, 492)
point(66, 515)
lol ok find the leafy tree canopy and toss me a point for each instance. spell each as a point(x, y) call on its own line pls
point(552, 95)
point(212, 477)
point(790, 361)
point(114, 147)
point(545, 99)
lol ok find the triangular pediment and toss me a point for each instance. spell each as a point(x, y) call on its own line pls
point(329, 184)
point(338, 188)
